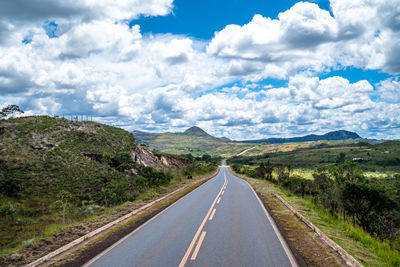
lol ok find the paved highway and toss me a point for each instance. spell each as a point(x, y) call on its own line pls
point(221, 223)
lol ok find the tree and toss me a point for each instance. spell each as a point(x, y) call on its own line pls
point(63, 202)
point(189, 157)
point(207, 158)
point(10, 110)
point(372, 205)
point(341, 157)
point(328, 194)
point(264, 170)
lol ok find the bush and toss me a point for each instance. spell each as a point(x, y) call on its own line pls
point(154, 178)
point(122, 161)
point(140, 183)
point(9, 186)
point(7, 210)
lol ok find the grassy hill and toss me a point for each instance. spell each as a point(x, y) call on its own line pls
point(54, 171)
point(194, 140)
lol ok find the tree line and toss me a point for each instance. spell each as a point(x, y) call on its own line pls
point(344, 190)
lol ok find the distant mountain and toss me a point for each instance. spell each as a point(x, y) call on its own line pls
point(198, 142)
point(194, 140)
point(197, 131)
point(335, 135)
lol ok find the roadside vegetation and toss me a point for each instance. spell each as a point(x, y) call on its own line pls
point(364, 207)
point(380, 158)
point(55, 173)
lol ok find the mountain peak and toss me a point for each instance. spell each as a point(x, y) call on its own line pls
point(341, 135)
point(196, 131)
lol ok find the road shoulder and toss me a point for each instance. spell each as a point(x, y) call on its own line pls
point(305, 245)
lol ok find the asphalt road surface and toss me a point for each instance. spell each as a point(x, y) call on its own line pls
point(221, 223)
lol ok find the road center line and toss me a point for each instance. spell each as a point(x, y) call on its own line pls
point(186, 256)
point(219, 199)
point(212, 214)
point(196, 250)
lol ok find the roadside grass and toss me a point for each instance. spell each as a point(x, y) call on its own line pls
point(145, 215)
point(49, 230)
point(308, 250)
point(368, 250)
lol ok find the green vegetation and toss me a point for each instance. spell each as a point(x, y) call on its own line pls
point(368, 250)
point(197, 142)
point(54, 173)
point(10, 110)
point(343, 195)
point(383, 157)
point(201, 165)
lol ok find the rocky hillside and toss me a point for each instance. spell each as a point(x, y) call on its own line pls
point(50, 166)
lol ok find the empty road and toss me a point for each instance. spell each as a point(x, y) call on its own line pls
point(221, 223)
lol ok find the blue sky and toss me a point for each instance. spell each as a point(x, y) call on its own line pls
point(241, 69)
point(201, 19)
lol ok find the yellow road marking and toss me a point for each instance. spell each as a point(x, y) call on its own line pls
point(219, 199)
point(196, 250)
point(186, 256)
point(222, 193)
point(212, 214)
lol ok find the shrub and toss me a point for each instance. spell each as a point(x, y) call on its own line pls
point(9, 186)
point(140, 183)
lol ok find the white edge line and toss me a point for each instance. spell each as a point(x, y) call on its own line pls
point(276, 230)
point(140, 227)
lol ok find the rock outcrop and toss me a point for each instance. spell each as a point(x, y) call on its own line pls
point(158, 161)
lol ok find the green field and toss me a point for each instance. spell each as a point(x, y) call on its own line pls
point(373, 158)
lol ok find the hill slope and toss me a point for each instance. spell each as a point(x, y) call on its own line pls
point(336, 135)
point(50, 167)
point(194, 140)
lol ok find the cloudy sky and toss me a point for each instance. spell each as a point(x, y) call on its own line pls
point(238, 68)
